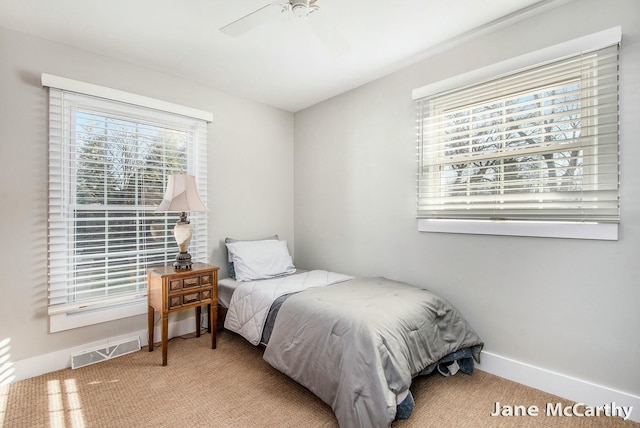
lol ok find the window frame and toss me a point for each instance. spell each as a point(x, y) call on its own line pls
point(137, 109)
point(514, 227)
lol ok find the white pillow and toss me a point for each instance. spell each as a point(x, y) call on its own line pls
point(260, 259)
point(230, 268)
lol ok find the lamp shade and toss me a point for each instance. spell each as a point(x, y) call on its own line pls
point(181, 195)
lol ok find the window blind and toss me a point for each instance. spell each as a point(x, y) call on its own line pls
point(539, 144)
point(108, 167)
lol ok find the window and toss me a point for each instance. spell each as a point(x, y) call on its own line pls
point(108, 167)
point(536, 145)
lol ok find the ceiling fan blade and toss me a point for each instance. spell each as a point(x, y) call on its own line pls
point(328, 34)
point(252, 20)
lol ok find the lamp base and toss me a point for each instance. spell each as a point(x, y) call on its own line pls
point(183, 261)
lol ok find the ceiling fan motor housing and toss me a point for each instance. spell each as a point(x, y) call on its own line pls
point(300, 8)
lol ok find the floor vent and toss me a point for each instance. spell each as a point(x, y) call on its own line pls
point(105, 353)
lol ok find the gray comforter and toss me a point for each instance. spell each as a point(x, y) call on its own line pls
point(358, 344)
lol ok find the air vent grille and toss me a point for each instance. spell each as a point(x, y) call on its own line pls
point(105, 353)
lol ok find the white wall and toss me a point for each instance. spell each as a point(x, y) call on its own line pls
point(568, 306)
point(250, 176)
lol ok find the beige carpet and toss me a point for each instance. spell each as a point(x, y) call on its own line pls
point(233, 387)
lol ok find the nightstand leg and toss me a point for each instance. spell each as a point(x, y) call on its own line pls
point(213, 320)
point(165, 337)
point(198, 313)
point(150, 316)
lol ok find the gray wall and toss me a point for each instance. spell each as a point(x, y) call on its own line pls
point(564, 305)
point(569, 306)
point(250, 177)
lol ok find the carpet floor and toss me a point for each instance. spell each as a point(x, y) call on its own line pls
point(233, 386)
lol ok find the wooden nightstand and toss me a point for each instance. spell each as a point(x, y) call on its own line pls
point(172, 290)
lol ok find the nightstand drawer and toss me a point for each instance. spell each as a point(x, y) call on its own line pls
point(205, 295)
point(185, 299)
point(189, 282)
point(175, 285)
point(191, 298)
point(206, 279)
point(175, 301)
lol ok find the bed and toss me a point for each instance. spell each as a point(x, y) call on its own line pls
point(356, 343)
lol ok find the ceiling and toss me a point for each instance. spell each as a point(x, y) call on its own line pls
point(281, 62)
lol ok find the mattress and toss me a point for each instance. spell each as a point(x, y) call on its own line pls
point(226, 287)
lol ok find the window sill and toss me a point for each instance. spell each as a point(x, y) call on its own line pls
point(67, 321)
point(597, 231)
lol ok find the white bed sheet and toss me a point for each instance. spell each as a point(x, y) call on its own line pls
point(227, 286)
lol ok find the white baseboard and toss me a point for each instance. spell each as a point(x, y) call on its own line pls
point(568, 387)
point(36, 366)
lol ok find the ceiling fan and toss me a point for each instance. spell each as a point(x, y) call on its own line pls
point(300, 9)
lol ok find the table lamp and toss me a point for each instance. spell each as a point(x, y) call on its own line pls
point(182, 196)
